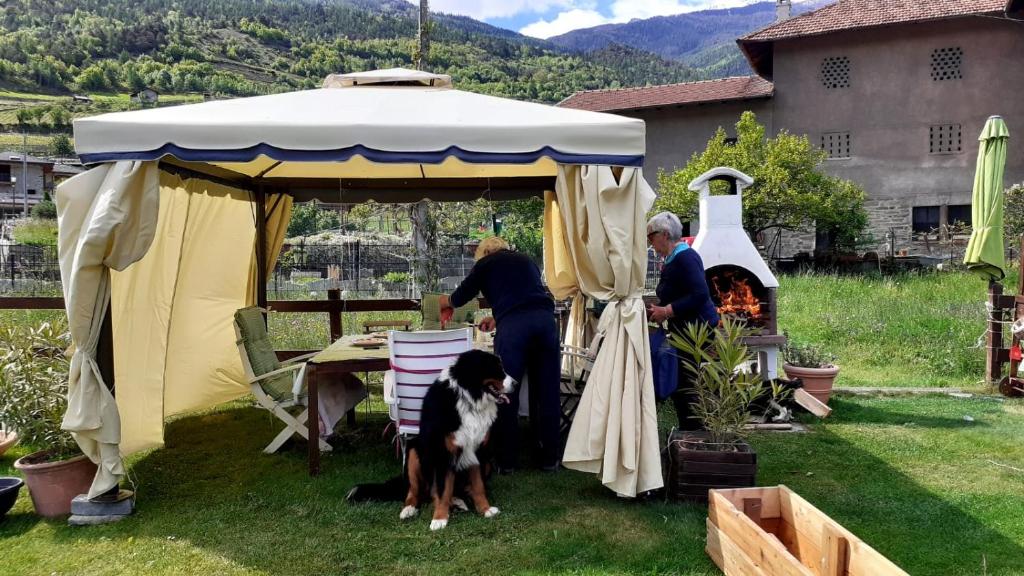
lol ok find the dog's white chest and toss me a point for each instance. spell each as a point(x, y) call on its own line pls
point(477, 416)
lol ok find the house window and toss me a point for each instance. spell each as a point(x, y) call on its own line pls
point(835, 72)
point(959, 213)
point(5, 173)
point(925, 218)
point(31, 191)
point(836, 144)
point(946, 63)
point(944, 139)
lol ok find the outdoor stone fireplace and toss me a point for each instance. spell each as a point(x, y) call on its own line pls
point(741, 284)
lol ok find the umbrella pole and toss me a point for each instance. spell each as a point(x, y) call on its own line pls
point(993, 362)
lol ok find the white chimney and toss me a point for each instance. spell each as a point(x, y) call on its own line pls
point(783, 8)
point(722, 239)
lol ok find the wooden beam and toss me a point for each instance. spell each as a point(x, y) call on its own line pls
point(343, 305)
point(261, 248)
point(31, 303)
point(811, 404)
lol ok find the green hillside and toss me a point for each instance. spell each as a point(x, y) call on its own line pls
point(50, 49)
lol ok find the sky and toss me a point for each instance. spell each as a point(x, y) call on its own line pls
point(546, 18)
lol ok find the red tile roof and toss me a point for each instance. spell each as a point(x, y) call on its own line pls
point(724, 89)
point(856, 14)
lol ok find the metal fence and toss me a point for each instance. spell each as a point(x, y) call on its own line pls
point(29, 270)
point(303, 271)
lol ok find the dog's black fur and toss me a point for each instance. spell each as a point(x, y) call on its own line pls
point(446, 460)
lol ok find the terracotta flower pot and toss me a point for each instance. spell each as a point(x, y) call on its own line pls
point(817, 381)
point(52, 485)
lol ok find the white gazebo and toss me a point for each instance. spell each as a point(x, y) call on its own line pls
point(180, 221)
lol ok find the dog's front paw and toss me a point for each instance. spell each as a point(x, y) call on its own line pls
point(491, 512)
point(436, 525)
point(408, 512)
point(460, 504)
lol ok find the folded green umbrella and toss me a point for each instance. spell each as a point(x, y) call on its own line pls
point(985, 253)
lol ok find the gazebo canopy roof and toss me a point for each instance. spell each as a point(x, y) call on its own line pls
point(383, 124)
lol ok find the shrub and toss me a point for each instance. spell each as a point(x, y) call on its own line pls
point(45, 209)
point(396, 277)
point(34, 386)
point(806, 355)
point(309, 219)
point(1013, 213)
point(724, 390)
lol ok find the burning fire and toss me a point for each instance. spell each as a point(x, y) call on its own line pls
point(737, 299)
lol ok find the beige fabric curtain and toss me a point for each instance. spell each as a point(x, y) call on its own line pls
point(107, 219)
point(598, 247)
point(174, 348)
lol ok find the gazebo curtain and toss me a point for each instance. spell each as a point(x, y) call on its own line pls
point(595, 246)
point(174, 348)
point(106, 220)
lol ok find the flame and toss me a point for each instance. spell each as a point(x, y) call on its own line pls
point(738, 298)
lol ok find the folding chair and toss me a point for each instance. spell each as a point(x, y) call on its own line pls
point(430, 307)
point(278, 387)
point(577, 364)
point(417, 358)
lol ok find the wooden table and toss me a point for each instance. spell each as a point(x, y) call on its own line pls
point(339, 358)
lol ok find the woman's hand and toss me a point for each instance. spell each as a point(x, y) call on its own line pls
point(447, 311)
point(488, 324)
point(659, 314)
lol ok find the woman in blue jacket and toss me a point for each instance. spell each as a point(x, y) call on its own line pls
point(683, 298)
point(527, 341)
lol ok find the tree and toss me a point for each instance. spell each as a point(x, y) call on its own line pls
point(1013, 214)
point(61, 146)
point(309, 219)
point(790, 192)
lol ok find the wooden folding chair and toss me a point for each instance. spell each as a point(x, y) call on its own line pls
point(577, 364)
point(278, 386)
point(417, 358)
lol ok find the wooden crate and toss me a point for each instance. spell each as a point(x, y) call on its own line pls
point(771, 531)
point(692, 472)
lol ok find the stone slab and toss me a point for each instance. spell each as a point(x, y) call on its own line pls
point(82, 506)
point(94, 520)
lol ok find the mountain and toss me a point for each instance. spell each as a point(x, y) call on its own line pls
point(242, 47)
point(704, 40)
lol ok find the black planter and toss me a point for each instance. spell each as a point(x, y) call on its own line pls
point(9, 488)
point(695, 466)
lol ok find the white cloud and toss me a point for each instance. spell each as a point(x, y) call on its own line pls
point(486, 9)
point(564, 22)
point(622, 11)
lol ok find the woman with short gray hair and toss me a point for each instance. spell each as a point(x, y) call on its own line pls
point(668, 223)
point(683, 298)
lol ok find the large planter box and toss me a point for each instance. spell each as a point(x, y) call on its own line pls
point(772, 531)
point(693, 469)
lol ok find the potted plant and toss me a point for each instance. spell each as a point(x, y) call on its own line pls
point(33, 399)
point(717, 456)
point(815, 367)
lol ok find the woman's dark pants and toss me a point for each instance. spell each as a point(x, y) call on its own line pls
point(528, 344)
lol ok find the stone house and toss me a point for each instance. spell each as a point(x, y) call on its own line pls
point(13, 186)
point(895, 92)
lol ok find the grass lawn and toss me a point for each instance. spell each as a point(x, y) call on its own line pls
point(910, 476)
point(913, 330)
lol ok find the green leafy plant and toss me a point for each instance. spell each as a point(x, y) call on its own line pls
point(45, 209)
point(724, 389)
point(34, 386)
point(804, 355)
point(396, 277)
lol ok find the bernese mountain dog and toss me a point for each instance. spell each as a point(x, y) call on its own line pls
point(443, 462)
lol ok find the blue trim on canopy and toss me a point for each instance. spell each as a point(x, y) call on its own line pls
point(381, 156)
